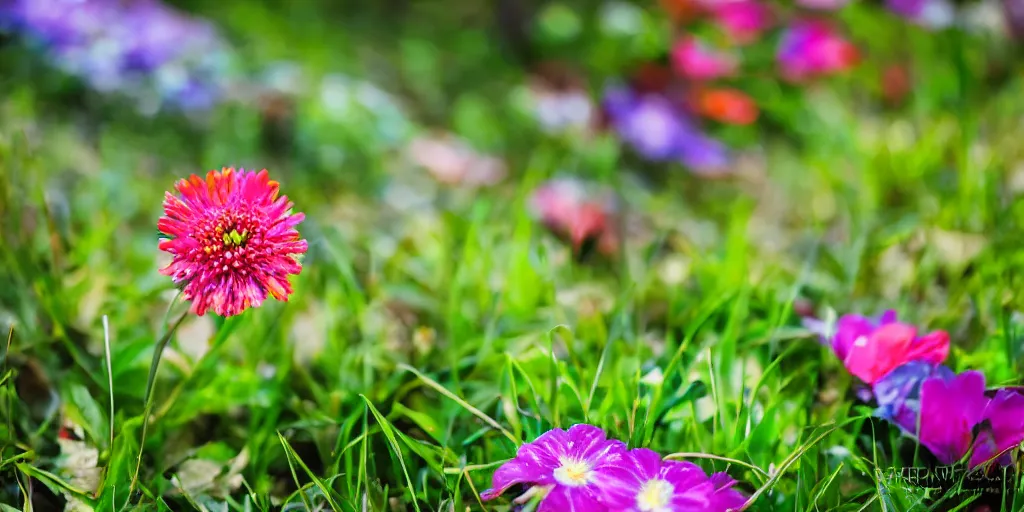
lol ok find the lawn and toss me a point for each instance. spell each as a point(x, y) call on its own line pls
point(452, 306)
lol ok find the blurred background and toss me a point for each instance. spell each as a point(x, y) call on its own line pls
point(475, 173)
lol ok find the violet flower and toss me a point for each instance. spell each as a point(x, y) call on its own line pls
point(660, 131)
point(871, 348)
point(573, 470)
point(927, 13)
point(811, 48)
point(1013, 11)
point(141, 48)
point(823, 5)
point(943, 411)
point(649, 484)
point(1002, 428)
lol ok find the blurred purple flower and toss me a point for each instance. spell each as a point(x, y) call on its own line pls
point(823, 5)
point(1013, 11)
point(573, 469)
point(660, 131)
point(927, 13)
point(142, 48)
point(648, 483)
point(811, 48)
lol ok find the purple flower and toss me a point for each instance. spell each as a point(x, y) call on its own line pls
point(950, 409)
point(573, 468)
point(811, 48)
point(899, 393)
point(1013, 11)
point(142, 48)
point(927, 13)
point(660, 131)
point(1002, 428)
point(824, 5)
point(646, 483)
point(937, 407)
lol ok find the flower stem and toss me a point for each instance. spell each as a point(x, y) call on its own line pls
point(150, 384)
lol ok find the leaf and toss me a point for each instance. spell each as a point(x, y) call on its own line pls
point(389, 433)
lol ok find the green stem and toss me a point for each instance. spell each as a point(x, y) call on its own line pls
point(150, 384)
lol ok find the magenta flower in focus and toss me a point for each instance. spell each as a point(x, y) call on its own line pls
point(871, 348)
point(646, 483)
point(233, 240)
point(811, 48)
point(697, 61)
point(573, 469)
point(742, 20)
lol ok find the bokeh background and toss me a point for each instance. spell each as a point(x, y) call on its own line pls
point(745, 164)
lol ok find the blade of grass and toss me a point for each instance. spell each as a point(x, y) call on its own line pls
point(464, 404)
point(290, 452)
point(386, 427)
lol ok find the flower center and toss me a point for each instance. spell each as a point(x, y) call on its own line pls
point(572, 472)
point(655, 496)
point(234, 239)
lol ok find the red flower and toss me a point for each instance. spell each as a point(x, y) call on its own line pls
point(728, 106)
point(233, 240)
point(574, 211)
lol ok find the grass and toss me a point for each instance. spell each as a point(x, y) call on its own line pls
point(424, 344)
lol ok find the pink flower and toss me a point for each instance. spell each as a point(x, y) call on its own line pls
point(696, 61)
point(645, 482)
point(452, 161)
point(573, 469)
point(810, 48)
point(871, 348)
point(233, 240)
point(572, 210)
point(742, 20)
point(1004, 430)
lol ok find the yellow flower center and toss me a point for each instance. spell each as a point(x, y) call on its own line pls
point(572, 472)
point(655, 496)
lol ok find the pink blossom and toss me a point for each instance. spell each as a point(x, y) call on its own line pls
point(697, 61)
point(811, 48)
point(233, 240)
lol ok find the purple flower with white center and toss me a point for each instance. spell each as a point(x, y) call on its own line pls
point(571, 469)
point(927, 13)
point(646, 483)
point(660, 131)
